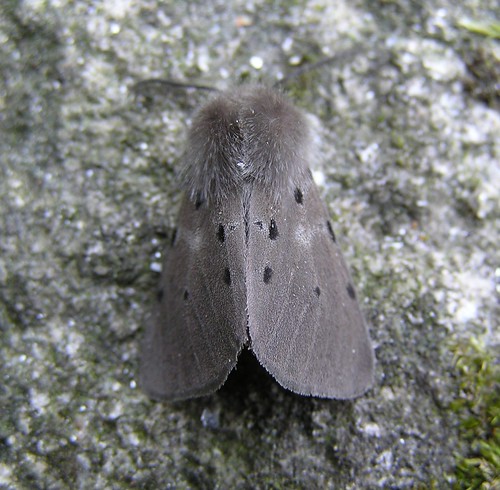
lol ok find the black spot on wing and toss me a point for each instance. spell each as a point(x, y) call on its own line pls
point(185, 295)
point(317, 291)
point(268, 273)
point(330, 230)
point(227, 276)
point(299, 196)
point(159, 295)
point(273, 230)
point(199, 201)
point(221, 235)
point(174, 237)
point(350, 291)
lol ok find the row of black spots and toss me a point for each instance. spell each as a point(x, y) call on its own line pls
point(350, 291)
point(332, 233)
point(299, 196)
point(226, 278)
point(273, 228)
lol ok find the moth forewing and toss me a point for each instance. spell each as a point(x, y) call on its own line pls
point(199, 322)
point(305, 324)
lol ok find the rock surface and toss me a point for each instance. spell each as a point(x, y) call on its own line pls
point(407, 160)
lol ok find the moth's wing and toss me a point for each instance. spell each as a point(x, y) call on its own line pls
point(305, 324)
point(199, 323)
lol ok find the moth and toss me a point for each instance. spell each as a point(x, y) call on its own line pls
point(254, 263)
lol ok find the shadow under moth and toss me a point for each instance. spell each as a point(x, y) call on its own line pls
point(254, 263)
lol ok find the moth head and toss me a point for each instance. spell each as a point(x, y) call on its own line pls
point(276, 140)
point(250, 134)
point(215, 141)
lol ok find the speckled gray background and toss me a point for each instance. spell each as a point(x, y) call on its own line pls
point(407, 138)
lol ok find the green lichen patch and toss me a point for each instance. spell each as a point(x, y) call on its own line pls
point(478, 407)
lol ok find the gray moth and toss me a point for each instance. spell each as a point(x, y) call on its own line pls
point(254, 263)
